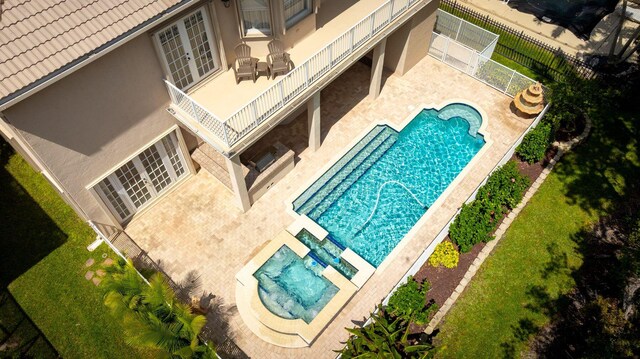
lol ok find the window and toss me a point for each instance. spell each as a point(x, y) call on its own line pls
point(255, 17)
point(143, 178)
point(296, 10)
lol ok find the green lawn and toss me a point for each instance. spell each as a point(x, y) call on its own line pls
point(516, 66)
point(522, 284)
point(43, 259)
point(510, 297)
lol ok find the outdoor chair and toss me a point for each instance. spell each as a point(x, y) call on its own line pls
point(277, 60)
point(245, 65)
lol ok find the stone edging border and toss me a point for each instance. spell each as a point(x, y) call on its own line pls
point(562, 147)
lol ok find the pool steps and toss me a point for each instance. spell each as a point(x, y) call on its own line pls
point(352, 173)
point(301, 201)
point(342, 175)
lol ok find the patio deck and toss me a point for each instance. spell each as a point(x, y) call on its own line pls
point(330, 26)
point(198, 228)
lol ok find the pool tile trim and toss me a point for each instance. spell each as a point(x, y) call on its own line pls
point(365, 270)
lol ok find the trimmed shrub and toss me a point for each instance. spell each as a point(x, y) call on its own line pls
point(409, 302)
point(475, 222)
point(472, 225)
point(535, 143)
point(505, 187)
point(445, 255)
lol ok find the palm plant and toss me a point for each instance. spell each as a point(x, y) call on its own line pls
point(152, 316)
point(123, 287)
point(384, 337)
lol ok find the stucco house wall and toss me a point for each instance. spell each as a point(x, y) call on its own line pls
point(228, 21)
point(96, 118)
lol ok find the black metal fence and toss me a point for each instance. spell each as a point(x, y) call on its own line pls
point(19, 336)
point(546, 61)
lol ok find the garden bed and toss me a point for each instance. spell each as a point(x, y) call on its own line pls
point(445, 280)
point(564, 135)
point(533, 170)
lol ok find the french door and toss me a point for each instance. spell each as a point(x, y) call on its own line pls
point(143, 178)
point(188, 48)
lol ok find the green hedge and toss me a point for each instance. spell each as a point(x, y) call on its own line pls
point(535, 143)
point(409, 302)
point(475, 222)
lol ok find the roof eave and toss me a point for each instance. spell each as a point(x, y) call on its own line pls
point(88, 58)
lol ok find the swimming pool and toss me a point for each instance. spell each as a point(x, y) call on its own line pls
point(292, 287)
point(374, 194)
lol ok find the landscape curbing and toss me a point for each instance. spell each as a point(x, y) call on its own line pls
point(563, 147)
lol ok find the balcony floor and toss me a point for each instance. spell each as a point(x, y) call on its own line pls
point(223, 97)
point(198, 228)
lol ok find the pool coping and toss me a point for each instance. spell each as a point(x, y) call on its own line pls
point(365, 270)
point(272, 328)
point(441, 198)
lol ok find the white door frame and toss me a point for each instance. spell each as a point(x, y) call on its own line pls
point(186, 44)
point(135, 160)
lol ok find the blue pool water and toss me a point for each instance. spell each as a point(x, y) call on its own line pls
point(327, 253)
point(292, 287)
point(371, 198)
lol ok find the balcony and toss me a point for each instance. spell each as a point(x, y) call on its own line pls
point(231, 116)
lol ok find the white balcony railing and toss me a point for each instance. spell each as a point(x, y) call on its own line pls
point(283, 91)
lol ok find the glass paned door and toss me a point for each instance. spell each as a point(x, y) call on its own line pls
point(155, 168)
point(134, 183)
point(143, 178)
point(188, 49)
point(175, 55)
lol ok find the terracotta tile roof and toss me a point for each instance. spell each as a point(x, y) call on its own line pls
point(40, 37)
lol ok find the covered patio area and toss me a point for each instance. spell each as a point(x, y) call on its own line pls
point(199, 228)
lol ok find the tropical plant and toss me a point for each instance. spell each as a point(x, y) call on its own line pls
point(385, 337)
point(505, 187)
point(445, 255)
point(475, 222)
point(567, 98)
point(409, 302)
point(472, 225)
point(535, 143)
point(151, 315)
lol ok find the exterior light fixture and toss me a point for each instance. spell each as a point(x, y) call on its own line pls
point(226, 3)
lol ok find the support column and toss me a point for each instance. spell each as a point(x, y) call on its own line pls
point(238, 184)
point(410, 43)
point(313, 114)
point(377, 64)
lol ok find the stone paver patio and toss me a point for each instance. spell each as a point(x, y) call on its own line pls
point(197, 227)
